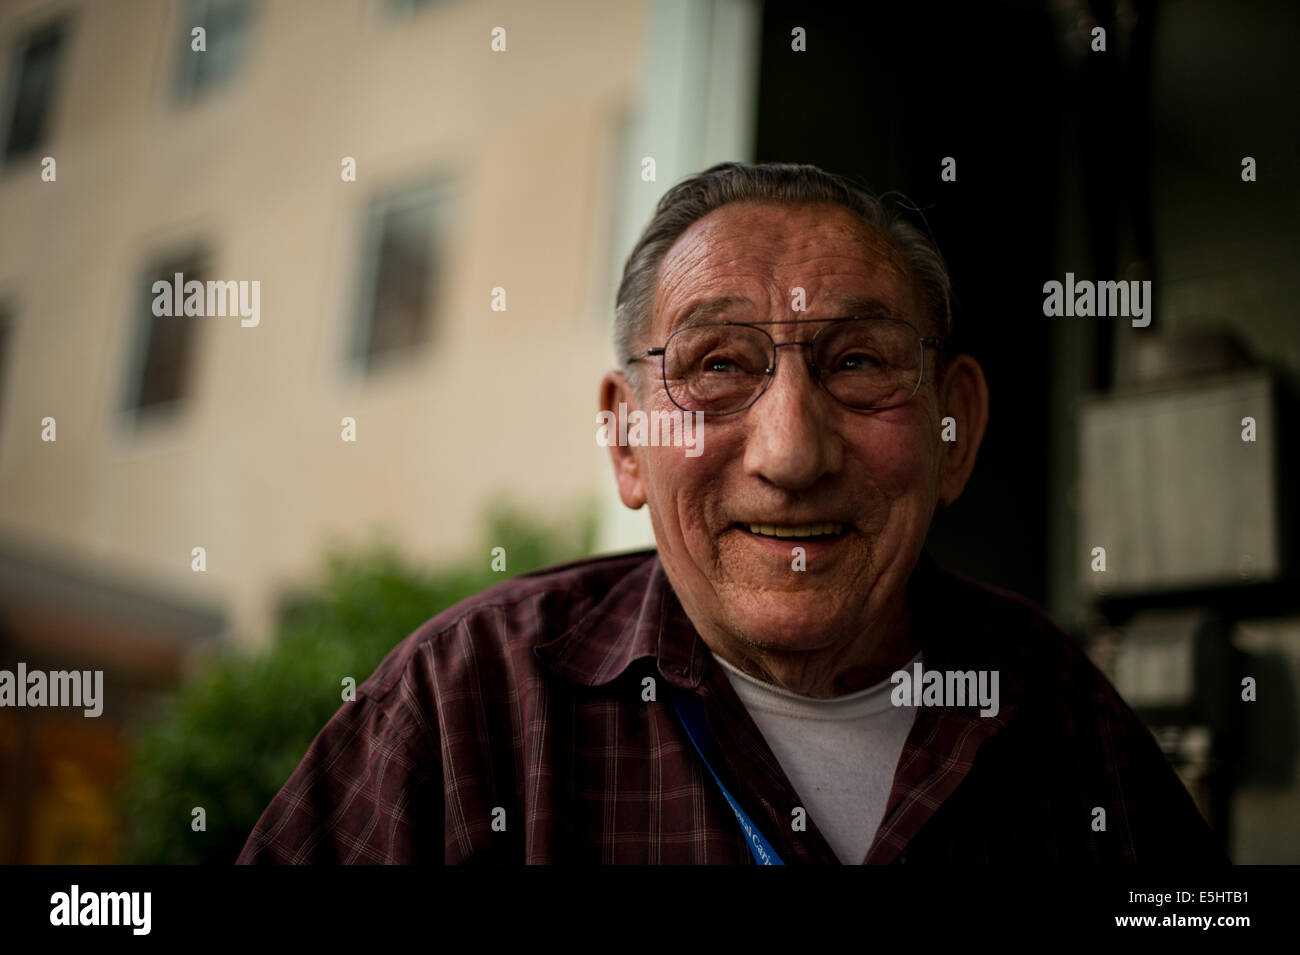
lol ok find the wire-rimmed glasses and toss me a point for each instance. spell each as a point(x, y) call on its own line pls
point(721, 368)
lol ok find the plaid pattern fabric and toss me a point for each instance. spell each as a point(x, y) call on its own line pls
point(532, 723)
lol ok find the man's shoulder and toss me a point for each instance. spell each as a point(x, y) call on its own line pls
point(1063, 698)
point(1072, 734)
point(1003, 619)
point(506, 621)
point(1016, 634)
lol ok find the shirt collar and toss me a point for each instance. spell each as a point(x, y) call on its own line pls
point(639, 617)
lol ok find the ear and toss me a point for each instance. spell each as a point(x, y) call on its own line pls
point(615, 389)
point(964, 396)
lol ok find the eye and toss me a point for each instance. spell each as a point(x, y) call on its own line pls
point(732, 362)
point(721, 365)
point(856, 361)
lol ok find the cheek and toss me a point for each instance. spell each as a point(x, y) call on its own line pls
point(679, 487)
point(690, 493)
point(897, 452)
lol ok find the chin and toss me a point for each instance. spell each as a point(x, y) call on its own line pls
point(793, 621)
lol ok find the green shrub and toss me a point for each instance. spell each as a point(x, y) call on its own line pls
point(230, 738)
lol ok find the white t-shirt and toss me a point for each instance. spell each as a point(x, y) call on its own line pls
point(840, 753)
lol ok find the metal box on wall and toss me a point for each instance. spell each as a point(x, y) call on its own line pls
point(1174, 491)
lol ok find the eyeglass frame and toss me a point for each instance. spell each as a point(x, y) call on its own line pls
point(661, 352)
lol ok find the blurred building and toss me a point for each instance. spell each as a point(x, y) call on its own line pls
point(434, 198)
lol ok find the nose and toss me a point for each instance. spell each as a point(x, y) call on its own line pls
point(790, 441)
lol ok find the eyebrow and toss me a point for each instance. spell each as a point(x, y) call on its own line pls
point(710, 308)
point(865, 306)
point(845, 305)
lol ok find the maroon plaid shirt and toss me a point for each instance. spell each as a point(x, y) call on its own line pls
point(512, 727)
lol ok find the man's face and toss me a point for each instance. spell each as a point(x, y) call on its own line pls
point(796, 457)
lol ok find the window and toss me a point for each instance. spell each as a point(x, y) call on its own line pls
point(225, 24)
point(404, 236)
point(30, 93)
point(164, 355)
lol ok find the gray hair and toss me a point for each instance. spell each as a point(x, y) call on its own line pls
point(783, 183)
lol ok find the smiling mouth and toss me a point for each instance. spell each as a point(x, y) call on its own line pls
point(797, 532)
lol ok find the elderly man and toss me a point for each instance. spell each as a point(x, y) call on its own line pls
point(787, 678)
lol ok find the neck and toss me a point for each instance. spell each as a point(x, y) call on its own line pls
point(830, 672)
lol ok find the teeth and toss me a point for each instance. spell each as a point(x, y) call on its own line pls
point(799, 530)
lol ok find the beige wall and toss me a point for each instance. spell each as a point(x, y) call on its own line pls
point(254, 469)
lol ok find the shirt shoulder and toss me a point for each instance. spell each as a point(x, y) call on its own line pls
point(1015, 634)
point(1051, 674)
point(507, 621)
point(369, 788)
point(1072, 715)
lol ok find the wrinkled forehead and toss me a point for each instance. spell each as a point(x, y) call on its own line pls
point(747, 261)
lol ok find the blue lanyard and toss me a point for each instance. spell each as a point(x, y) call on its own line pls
point(690, 710)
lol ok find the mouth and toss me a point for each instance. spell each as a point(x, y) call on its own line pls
point(824, 531)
